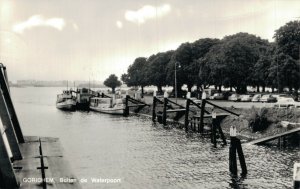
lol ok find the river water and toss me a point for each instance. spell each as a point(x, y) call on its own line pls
point(143, 154)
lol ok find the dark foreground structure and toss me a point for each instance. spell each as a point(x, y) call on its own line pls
point(28, 162)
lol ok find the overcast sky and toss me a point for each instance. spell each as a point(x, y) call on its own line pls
point(91, 39)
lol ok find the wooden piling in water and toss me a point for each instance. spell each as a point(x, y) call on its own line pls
point(235, 146)
point(200, 129)
point(126, 111)
point(164, 116)
point(186, 117)
point(154, 108)
point(232, 158)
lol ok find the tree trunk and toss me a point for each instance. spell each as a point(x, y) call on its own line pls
point(159, 89)
point(264, 88)
point(230, 88)
point(257, 88)
point(142, 96)
point(190, 88)
point(113, 90)
point(220, 88)
point(272, 89)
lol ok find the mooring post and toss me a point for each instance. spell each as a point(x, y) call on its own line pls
point(126, 112)
point(164, 121)
point(296, 176)
point(203, 102)
point(214, 129)
point(154, 106)
point(7, 175)
point(232, 152)
point(8, 129)
point(221, 132)
point(10, 106)
point(186, 116)
point(236, 146)
point(241, 156)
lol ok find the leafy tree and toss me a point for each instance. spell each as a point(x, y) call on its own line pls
point(232, 61)
point(186, 59)
point(287, 38)
point(112, 82)
point(136, 74)
point(157, 69)
point(285, 72)
point(261, 75)
point(287, 58)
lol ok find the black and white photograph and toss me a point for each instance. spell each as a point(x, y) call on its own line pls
point(149, 94)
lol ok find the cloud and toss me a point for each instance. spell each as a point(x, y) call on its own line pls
point(38, 20)
point(147, 12)
point(119, 24)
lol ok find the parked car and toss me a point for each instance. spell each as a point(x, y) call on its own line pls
point(256, 98)
point(286, 102)
point(246, 98)
point(234, 97)
point(217, 96)
point(268, 98)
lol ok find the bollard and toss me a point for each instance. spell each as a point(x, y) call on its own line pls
point(296, 176)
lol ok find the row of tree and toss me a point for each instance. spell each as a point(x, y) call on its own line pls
point(236, 61)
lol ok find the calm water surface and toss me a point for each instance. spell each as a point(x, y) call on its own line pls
point(142, 154)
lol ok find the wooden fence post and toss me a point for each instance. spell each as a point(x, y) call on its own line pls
point(232, 152)
point(154, 107)
point(214, 129)
point(164, 117)
point(203, 102)
point(126, 112)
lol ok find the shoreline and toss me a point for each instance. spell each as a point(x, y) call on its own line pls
point(273, 115)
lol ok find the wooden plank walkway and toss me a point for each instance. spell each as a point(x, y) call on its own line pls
point(269, 138)
point(56, 166)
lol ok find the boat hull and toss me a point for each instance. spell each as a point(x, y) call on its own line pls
point(113, 111)
point(68, 105)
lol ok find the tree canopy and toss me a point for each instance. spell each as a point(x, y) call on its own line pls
point(236, 61)
point(112, 81)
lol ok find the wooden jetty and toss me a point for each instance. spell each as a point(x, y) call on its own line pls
point(168, 106)
point(280, 136)
point(28, 162)
point(133, 103)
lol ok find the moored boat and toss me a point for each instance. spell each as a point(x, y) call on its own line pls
point(66, 101)
point(107, 105)
point(83, 96)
